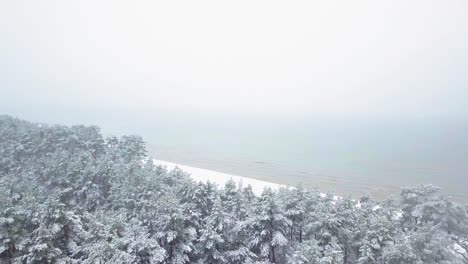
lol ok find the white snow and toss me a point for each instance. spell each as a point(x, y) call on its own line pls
point(219, 178)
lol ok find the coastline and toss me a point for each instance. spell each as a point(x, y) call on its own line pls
point(259, 173)
point(219, 178)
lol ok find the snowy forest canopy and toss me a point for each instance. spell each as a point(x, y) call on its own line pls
point(69, 195)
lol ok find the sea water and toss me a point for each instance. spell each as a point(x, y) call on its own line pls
point(348, 155)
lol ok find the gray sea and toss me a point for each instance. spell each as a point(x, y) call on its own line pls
point(346, 155)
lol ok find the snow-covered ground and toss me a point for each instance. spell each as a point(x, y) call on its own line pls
point(220, 178)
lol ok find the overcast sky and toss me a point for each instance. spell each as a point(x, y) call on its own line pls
point(395, 57)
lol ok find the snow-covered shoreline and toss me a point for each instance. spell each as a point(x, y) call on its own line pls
point(219, 178)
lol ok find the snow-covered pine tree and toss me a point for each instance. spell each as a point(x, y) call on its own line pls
point(434, 224)
point(175, 231)
point(56, 232)
point(297, 203)
point(267, 226)
point(378, 226)
point(211, 243)
point(306, 252)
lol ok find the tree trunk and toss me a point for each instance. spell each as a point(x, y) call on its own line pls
point(273, 254)
point(170, 251)
point(345, 256)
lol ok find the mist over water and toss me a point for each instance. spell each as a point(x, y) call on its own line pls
point(342, 96)
point(349, 98)
point(353, 155)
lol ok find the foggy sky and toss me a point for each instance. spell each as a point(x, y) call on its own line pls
point(275, 57)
